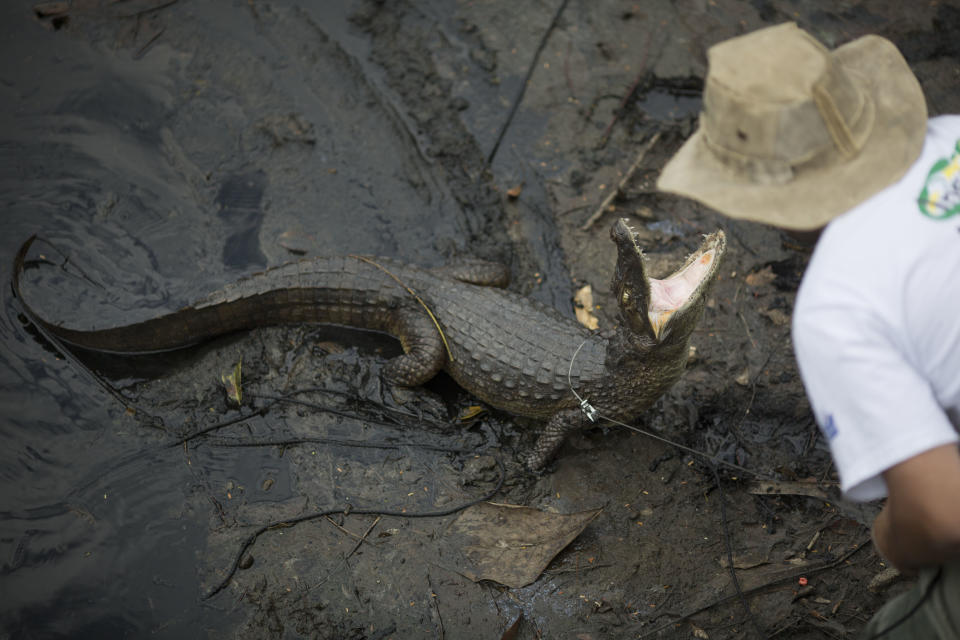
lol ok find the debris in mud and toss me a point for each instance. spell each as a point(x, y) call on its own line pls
point(513, 544)
point(231, 383)
point(288, 128)
point(297, 243)
point(514, 192)
point(761, 277)
point(53, 11)
point(583, 307)
point(883, 580)
point(607, 203)
point(808, 488)
point(511, 632)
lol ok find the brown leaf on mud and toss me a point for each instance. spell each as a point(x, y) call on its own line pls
point(760, 278)
point(514, 192)
point(512, 631)
point(583, 307)
point(47, 9)
point(288, 128)
point(512, 544)
point(776, 316)
point(747, 560)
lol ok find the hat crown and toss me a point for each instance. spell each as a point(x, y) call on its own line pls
point(776, 99)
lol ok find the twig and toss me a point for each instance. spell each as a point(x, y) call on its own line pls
point(526, 81)
point(436, 606)
point(746, 328)
point(622, 184)
point(808, 571)
point(413, 293)
point(153, 9)
point(729, 547)
point(341, 528)
point(288, 397)
point(343, 442)
point(220, 425)
point(142, 50)
point(735, 430)
point(363, 538)
point(283, 524)
point(629, 93)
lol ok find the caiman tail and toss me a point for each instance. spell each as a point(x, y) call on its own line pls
point(342, 290)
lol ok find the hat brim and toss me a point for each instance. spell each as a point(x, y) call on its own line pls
point(817, 195)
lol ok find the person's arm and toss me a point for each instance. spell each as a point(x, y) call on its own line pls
point(920, 524)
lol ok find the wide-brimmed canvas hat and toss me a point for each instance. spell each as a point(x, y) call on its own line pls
point(793, 134)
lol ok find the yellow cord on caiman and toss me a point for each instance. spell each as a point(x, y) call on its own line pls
point(516, 354)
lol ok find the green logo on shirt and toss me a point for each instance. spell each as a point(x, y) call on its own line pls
point(940, 198)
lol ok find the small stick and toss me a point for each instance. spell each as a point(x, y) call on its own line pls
point(626, 98)
point(342, 529)
point(363, 538)
point(622, 184)
point(416, 297)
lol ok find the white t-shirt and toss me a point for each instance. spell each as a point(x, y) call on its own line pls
point(876, 325)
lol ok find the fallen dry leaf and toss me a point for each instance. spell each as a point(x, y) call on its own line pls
point(512, 544)
point(583, 307)
point(511, 632)
point(760, 278)
point(46, 9)
point(776, 316)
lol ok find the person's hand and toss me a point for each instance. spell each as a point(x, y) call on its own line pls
point(920, 524)
point(880, 535)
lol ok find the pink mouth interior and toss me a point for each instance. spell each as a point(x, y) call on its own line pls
point(669, 294)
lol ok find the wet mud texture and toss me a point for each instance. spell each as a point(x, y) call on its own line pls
point(168, 148)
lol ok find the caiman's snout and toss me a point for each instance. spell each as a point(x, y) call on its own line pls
point(668, 308)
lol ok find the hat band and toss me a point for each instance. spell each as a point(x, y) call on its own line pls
point(844, 139)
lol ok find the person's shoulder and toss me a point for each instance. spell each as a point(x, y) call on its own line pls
point(945, 125)
point(848, 271)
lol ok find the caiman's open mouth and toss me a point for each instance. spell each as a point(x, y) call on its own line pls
point(677, 292)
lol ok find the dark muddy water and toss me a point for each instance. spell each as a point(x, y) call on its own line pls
point(158, 170)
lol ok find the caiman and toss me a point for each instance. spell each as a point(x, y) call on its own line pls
point(513, 353)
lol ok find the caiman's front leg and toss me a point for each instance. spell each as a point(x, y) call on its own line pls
point(560, 425)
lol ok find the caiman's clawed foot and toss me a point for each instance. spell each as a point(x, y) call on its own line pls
point(556, 431)
point(403, 396)
point(427, 406)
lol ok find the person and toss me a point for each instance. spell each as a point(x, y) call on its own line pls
point(805, 138)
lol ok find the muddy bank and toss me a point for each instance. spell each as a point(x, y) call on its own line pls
point(169, 148)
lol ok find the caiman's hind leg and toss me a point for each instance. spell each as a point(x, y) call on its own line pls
point(560, 426)
point(424, 354)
